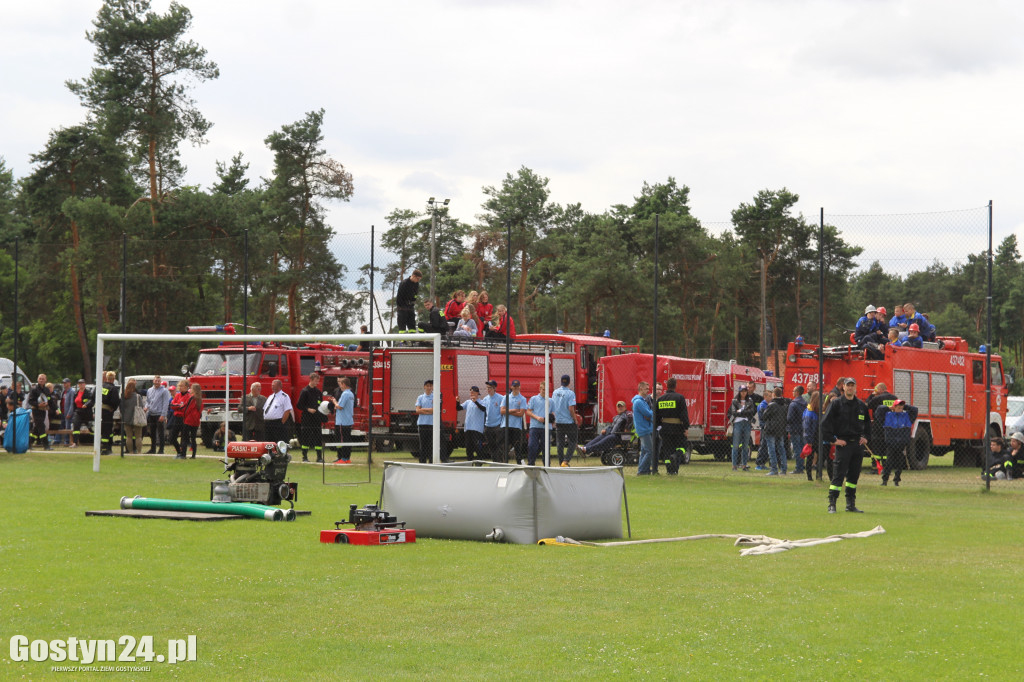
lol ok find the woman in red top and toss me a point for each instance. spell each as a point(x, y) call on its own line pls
point(483, 312)
point(190, 414)
point(453, 309)
point(504, 327)
point(178, 399)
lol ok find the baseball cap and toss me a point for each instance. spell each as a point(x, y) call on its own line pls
point(65, 380)
point(566, 379)
point(491, 382)
point(81, 381)
point(620, 404)
point(515, 382)
point(903, 402)
point(474, 389)
point(849, 380)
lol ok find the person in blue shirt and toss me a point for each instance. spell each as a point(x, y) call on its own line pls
point(924, 327)
point(425, 421)
point(567, 433)
point(898, 422)
point(513, 409)
point(344, 407)
point(913, 339)
point(899, 320)
point(536, 412)
point(473, 430)
point(643, 424)
point(492, 423)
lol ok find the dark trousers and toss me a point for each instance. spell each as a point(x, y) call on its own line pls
point(406, 319)
point(426, 443)
point(474, 445)
point(846, 470)
point(536, 446)
point(567, 435)
point(253, 433)
point(673, 437)
point(344, 435)
point(156, 434)
point(895, 458)
point(517, 444)
point(311, 437)
point(495, 442)
point(173, 431)
point(188, 439)
point(39, 427)
point(106, 432)
point(81, 417)
point(278, 430)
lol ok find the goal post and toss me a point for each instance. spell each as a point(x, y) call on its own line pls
point(435, 339)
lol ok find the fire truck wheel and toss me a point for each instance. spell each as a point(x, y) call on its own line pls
point(920, 449)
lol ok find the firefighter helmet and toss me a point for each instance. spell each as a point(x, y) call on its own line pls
point(869, 309)
point(914, 328)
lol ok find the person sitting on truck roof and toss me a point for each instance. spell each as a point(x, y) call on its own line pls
point(868, 334)
point(883, 325)
point(926, 329)
point(466, 328)
point(895, 339)
point(434, 324)
point(502, 326)
point(453, 309)
point(484, 311)
point(622, 423)
point(899, 320)
point(913, 339)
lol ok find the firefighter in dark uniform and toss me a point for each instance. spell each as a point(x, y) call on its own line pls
point(847, 425)
point(82, 411)
point(311, 427)
point(111, 400)
point(39, 400)
point(674, 420)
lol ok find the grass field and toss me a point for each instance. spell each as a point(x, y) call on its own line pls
point(937, 597)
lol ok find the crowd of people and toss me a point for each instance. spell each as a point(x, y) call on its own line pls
point(464, 316)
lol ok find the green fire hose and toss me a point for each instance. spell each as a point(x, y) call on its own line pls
point(256, 511)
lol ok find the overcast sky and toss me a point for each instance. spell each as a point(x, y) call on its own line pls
point(861, 107)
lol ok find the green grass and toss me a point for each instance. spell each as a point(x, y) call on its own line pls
point(936, 597)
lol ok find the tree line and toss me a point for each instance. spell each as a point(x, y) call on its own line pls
point(118, 175)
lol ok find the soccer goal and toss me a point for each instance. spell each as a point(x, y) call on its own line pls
point(435, 339)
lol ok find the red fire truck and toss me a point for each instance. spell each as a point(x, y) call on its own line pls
point(399, 373)
point(944, 380)
point(265, 362)
point(709, 387)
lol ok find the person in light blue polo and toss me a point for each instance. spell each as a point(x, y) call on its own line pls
point(473, 430)
point(492, 424)
point(563, 405)
point(425, 421)
point(535, 411)
point(513, 409)
point(344, 407)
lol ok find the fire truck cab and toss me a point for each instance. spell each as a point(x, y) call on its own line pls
point(944, 380)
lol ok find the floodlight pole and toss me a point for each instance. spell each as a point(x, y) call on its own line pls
point(432, 203)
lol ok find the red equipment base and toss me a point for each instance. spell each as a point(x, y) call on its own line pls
point(368, 537)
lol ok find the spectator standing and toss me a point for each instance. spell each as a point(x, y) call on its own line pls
point(191, 414)
point(563, 405)
point(673, 419)
point(158, 400)
point(39, 403)
point(344, 419)
point(643, 424)
point(492, 422)
point(513, 410)
point(897, 423)
point(473, 428)
point(132, 432)
point(773, 430)
point(311, 427)
point(252, 409)
point(812, 446)
point(741, 411)
point(425, 421)
point(405, 301)
point(67, 410)
point(179, 393)
point(82, 412)
point(278, 416)
point(795, 428)
point(111, 400)
point(537, 414)
point(846, 423)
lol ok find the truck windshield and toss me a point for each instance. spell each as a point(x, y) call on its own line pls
point(214, 364)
